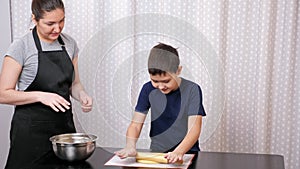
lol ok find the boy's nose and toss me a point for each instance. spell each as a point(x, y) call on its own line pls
point(161, 86)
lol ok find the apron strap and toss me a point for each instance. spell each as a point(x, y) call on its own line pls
point(36, 40)
point(38, 43)
point(61, 42)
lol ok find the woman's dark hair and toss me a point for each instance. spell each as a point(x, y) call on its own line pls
point(39, 7)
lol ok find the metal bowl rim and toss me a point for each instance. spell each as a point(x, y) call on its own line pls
point(64, 144)
point(92, 138)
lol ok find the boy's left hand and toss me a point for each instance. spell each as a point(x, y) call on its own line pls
point(126, 152)
point(174, 157)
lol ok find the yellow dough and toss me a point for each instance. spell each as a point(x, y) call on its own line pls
point(152, 158)
point(146, 162)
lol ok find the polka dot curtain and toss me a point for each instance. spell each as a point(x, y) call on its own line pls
point(244, 54)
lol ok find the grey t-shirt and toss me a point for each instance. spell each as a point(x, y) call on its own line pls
point(24, 51)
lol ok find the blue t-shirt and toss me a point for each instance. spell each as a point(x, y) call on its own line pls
point(170, 112)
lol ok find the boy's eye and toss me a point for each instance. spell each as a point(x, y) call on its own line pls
point(165, 81)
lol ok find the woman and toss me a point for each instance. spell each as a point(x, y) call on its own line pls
point(43, 66)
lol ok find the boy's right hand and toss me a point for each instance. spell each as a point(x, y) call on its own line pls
point(126, 152)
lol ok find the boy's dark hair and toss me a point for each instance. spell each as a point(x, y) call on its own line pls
point(163, 58)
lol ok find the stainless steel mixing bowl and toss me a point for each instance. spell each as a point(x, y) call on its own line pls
point(73, 146)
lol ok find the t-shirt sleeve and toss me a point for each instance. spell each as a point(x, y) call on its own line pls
point(143, 104)
point(71, 45)
point(16, 51)
point(76, 49)
point(195, 102)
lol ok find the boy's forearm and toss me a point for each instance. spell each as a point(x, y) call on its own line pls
point(132, 136)
point(130, 143)
point(194, 129)
point(188, 142)
point(134, 129)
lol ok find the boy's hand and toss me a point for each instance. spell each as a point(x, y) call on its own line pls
point(174, 157)
point(126, 152)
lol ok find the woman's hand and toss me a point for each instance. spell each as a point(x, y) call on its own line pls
point(85, 101)
point(174, 156)
point(126, 152)
point(55, 101)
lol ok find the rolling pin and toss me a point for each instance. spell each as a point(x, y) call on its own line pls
point(153, 158)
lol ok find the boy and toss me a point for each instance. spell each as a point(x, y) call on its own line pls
point(176, 108)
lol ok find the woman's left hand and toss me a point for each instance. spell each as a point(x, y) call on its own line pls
point(86, 102)
point(174, 157)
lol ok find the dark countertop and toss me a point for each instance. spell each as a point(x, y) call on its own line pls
point(205, 160)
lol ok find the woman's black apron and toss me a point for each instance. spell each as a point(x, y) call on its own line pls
point(33, 124)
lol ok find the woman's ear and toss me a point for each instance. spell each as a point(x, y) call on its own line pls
point(178, 70)
point(33, 19)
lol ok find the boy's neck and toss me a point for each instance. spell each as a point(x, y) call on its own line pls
point(178, 80)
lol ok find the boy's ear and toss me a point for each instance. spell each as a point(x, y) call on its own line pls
point(179, 70)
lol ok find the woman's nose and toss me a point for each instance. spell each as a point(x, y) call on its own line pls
point(57, 28)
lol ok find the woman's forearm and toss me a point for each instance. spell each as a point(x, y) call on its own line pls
point(14, 97)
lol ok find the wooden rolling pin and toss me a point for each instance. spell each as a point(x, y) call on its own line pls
point(153, 158)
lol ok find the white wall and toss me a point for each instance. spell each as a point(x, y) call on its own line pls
point(5, 110)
